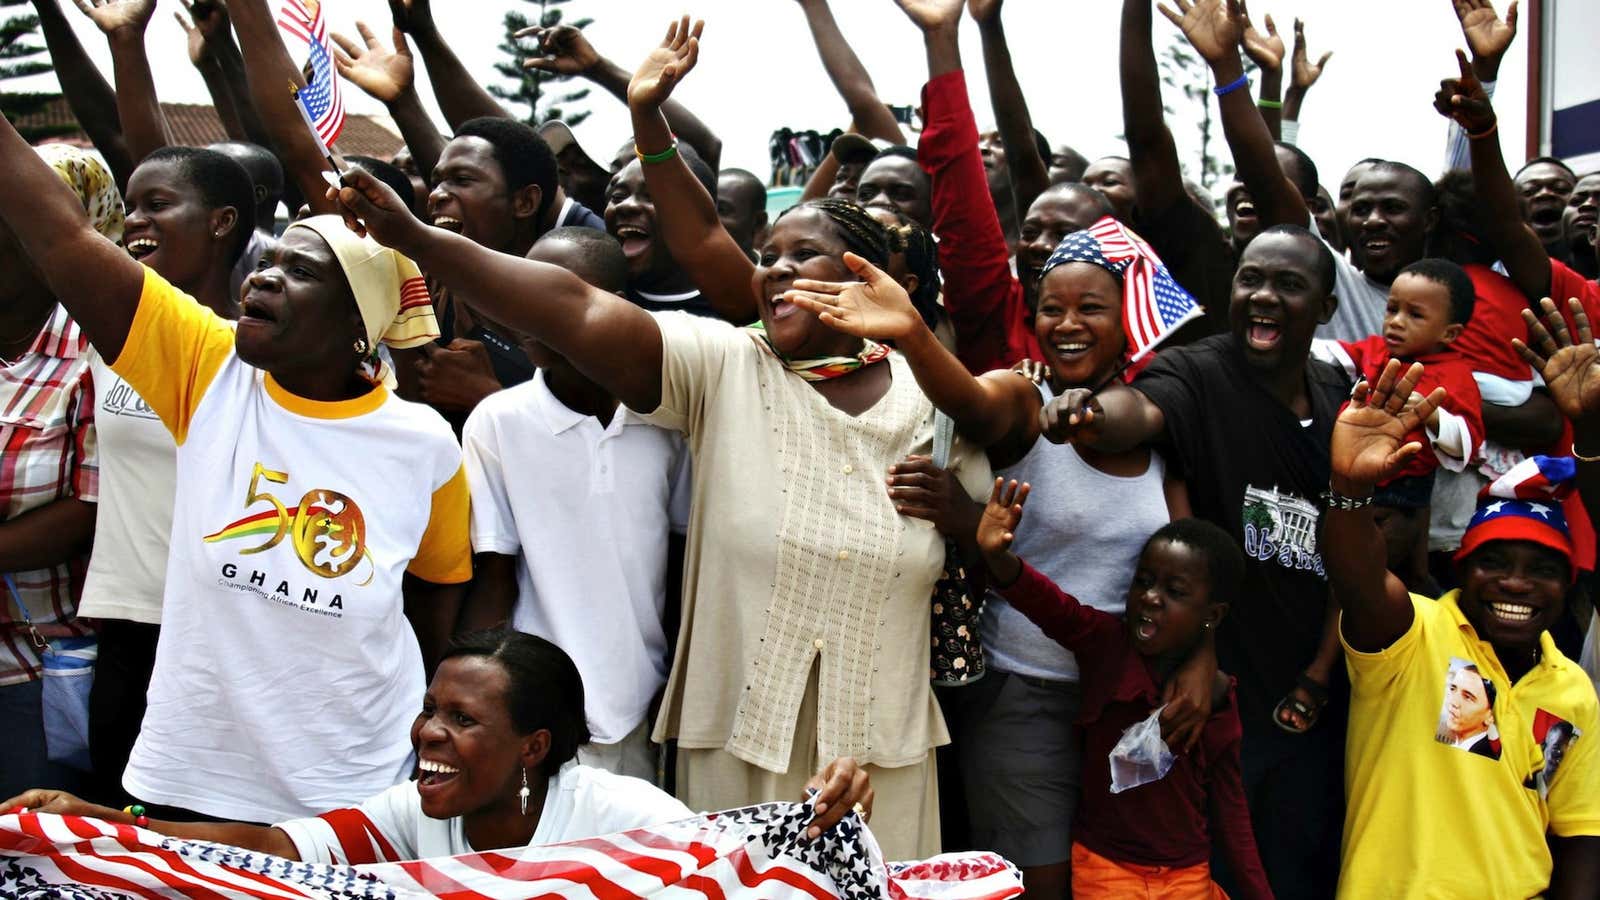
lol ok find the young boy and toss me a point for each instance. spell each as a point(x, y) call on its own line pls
point(1430, 302)
point(1154, 839)
point(575, 502)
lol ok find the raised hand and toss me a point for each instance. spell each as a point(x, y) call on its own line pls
point(371, 207)
point(385, 75)
point(118, 15)
point(983, 11)
point(1369, 439)
point(1464, 99)
point(1214, 27)
point(874, 307)
point(1266, 50)
point(997, 529)
point(563, 49)
point(1303, 72)
point(1486, 33)
point(666, 65)
point(206, 25)
point(412, 16)
point(935, 15)
point(1570, 369)
point(1071, 416)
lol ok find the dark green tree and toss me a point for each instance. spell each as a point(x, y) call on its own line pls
point(532, 88)
point(19, 59)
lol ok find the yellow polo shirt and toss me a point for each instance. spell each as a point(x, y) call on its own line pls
point(1427, 818)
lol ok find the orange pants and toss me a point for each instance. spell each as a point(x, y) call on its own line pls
point(1095, 876)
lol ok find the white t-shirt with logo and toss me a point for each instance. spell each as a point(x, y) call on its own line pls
point(586, 509)
point(580, 802)
point(138, 464)
point(287, 675)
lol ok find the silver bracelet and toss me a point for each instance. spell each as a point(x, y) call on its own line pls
point(1336, 500)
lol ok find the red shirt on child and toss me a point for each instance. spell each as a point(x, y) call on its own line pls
point(1449, 370)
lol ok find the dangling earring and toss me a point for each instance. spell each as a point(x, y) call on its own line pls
point(523, 794)
point(361, 346)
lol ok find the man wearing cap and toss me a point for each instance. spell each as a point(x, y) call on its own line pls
point(1425, 818)
point(582, 178)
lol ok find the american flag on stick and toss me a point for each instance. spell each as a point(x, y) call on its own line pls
point(755, 853)
point(319, 100)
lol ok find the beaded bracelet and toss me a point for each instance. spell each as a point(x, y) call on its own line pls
point(139, 818)
point(663, 156)
point(1231, 86)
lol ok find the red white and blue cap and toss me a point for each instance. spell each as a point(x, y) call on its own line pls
point(1524, 504)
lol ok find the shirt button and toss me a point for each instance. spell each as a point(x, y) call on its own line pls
point(848, 469)
point(817, 643)
point(844, 554)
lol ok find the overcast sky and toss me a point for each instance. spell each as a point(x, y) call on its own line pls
point(758, 70)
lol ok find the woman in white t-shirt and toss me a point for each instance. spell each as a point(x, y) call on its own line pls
point(496, 742)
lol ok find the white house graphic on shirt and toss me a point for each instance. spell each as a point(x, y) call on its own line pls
point(1281, 526)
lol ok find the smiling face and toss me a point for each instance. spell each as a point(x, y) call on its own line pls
point(1341, 207)
point(1417, 322)
point(1389, 223)
point(631, 219)
point(895, 182)
point(1113, 177)
point(470, 757)
point(1241, 210)
point(1466, 704)
point(1058, 212)
point(1079, 323)
point(1278, 300)
point(169, 228)
point(1545, 189)
point(803, 243)
point(297, 312)
point(471, 196)
point(1169, 602)
point(1513, 590)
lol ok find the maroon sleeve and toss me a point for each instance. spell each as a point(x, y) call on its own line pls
point(1230, 816)
point(1079, 628)
point(984, 300)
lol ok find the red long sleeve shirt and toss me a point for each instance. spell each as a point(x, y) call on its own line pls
point(983, 299)
point(1170, 822)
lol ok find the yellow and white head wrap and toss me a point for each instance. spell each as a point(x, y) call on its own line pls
point(389, 290)
point(92, 182)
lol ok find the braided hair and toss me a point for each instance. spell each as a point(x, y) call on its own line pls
point(922, 260)
point(861, 233)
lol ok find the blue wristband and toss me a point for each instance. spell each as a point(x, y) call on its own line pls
point(1231, 86)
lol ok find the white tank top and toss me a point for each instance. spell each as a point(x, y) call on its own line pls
point(1083, 529)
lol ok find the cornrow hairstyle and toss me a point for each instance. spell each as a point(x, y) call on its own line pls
point(862, 234)
point(922, 258)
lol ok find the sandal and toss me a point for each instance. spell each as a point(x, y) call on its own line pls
point(1308, 712)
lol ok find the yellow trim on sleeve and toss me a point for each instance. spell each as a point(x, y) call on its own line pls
point(444, 556)
point(173, 351)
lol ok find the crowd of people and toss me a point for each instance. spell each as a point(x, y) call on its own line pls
point(1293, 600)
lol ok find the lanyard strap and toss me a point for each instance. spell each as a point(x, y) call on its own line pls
point(16, 597)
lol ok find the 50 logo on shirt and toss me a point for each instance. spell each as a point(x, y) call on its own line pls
point(325, 528)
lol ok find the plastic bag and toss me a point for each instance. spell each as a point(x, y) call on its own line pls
point(1141, 756)
point(68, 675)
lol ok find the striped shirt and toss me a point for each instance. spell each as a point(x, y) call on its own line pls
point(47, 452)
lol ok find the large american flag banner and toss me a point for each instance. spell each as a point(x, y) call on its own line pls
point(755, 852)
point(1153, 303)
point(319, 100)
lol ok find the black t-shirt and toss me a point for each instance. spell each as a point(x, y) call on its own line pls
point(1255, 471)
point(692, 302)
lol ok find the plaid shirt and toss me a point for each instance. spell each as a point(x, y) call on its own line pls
point(47, 452)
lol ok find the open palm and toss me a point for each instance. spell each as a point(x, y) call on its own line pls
point(1305, 73)
point(115, 15)
point(1369, 439)
point(383, 74)
point(1486, 33)
point(997, 528)
point(666, 65)
point(1570, 369)
point(1267, 50)
point(1214, 27)
point(930, 15)
point(875, 307)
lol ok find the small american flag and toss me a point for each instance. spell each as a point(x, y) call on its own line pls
point(755, 852)
point(319, 100)
point(1153, 303)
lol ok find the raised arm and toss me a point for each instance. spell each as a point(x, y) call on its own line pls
point(90, 98)
point(1303, 73)
point(687, 214)
point(1029, 172)
point(1215, 29)
point(123, 22)
point(566, 50)
point(1157, 176)
point(1368, 446)
point(1267, 52)
point(868, 113)
point(388, 76)
point(614, 343)
point(458, 93)
point(1571, 372)
point(1489, 37)
point(1114, 420)
point(214, 52)
point(1500, 212)
point(270, 72)
point(95, 279)
point(998, 408)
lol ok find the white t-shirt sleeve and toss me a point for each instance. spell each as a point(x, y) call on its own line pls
point(682, 489)
point(494, 526)
point(586, 802)
point(381, 829)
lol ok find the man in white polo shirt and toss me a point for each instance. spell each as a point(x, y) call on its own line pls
point(574, 498)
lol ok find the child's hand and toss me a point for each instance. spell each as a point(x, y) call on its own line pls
point(996, 530)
